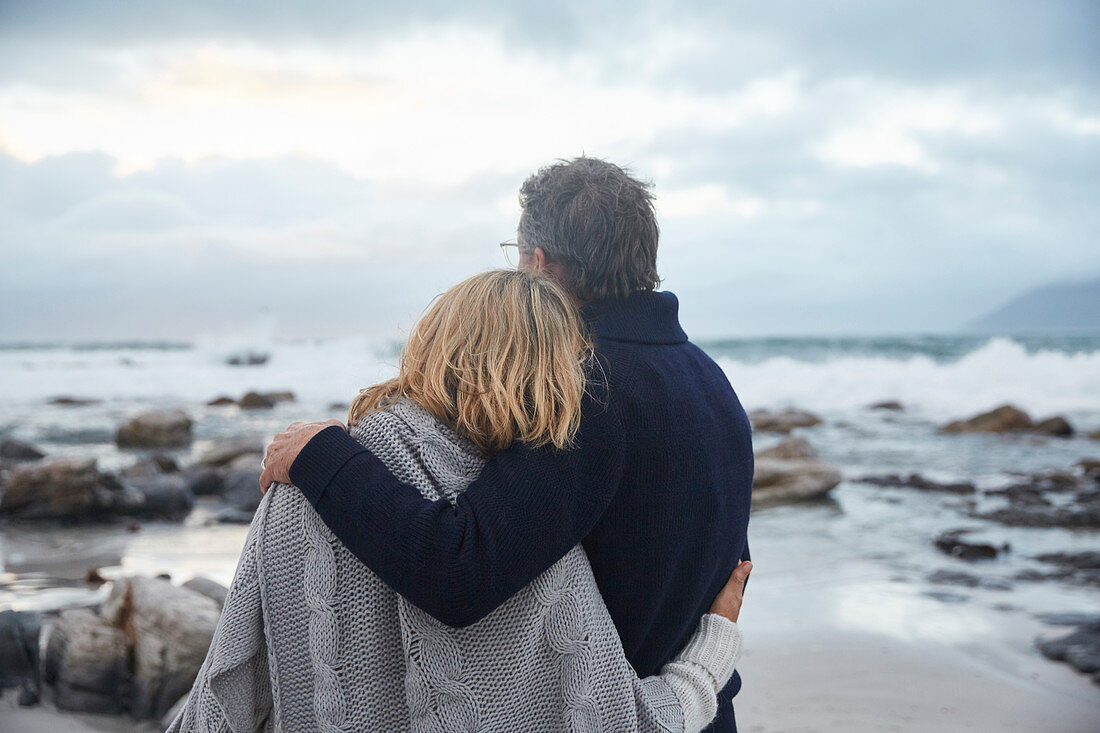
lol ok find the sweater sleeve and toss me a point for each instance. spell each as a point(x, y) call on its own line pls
point(459, 562)
point(703, 668)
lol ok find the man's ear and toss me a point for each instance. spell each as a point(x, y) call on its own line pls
point(541, 260)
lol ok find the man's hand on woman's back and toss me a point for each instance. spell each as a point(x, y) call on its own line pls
point(285, 447)
point(728, 601)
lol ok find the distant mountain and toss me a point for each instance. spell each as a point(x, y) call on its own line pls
point(1061, 307)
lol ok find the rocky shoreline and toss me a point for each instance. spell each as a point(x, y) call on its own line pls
point(129, 656)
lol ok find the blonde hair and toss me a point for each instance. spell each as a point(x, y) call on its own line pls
point(500, 357)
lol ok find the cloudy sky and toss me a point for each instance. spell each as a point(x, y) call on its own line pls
point(173, 169)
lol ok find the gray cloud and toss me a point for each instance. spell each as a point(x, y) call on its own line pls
point(833, 248)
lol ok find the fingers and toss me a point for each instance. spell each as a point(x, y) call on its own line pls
point(728, 601)
point(266, 479)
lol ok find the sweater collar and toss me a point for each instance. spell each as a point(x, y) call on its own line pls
point(644, 317)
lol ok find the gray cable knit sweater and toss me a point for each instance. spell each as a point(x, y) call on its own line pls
point(311, 640)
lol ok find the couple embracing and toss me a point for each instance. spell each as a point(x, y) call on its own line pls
point(538, 525)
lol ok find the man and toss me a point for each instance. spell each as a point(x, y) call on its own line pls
point(659, 484)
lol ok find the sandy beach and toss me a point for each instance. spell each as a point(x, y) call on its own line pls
point(847, 681)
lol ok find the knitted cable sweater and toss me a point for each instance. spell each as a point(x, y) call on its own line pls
point(310, 639)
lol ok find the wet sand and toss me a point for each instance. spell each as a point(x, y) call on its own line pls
point(868, 682)
point(822, 681)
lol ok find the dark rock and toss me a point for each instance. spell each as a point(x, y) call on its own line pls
point(1057, 426)
point(783, 421)
point(281, 396)
point(950, 543)
point(170, 629)
point(916, 481)
point(16, 450)
point(221, 401)
point(153, 465)
point(225, 452)
point(1083, 513)
point(338, 406)
point(248, 358)
point(87, 662)
point(954, 577)
point(1088, 559)
point(160, 429)
point(1094, 435)
point(1005, 418)
point(241, 490)
point(166, 496)
point(1091, 467)
point(203, 481)
point(65, 489)
point(782, 480)
point(892, 405)
point(1032, 574)
point(1079, 649)
point(212, 589)
point(789, 448)
point(19, 632)
point(73, 401)
point(255, 400)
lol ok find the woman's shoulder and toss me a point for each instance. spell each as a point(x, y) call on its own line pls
point(406, 420)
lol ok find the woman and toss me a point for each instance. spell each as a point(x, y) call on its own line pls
point(310, 639)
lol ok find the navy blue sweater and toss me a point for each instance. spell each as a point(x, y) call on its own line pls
point(658, 488)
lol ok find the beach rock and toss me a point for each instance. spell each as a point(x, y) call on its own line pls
point(166, 496)
point(1094, 435)
point(783, 421)
point(203, 480)
point(212, 589)
point(16, 450)
point(1082, 513)
point(225, 452)
point(1057, 426)
point(892, 405)
point(241, 490)
point(1087, 559)
point(1091, 467)
point(1079, 649)
point(169, 629)
point(780, 480)
point(950, 543)
point(65, 489)
point(248, 358)
point(1078, 568)
point(1003, 419)
point(954, 577)
point(916, 481)
point(73, 401)
point(158, 429)
point(338, 406)
point(256, 400)
point(789, 448)
point(88, 663)
point(154, 465)
point(285, 396)
point(19, 632)
point(221, 401)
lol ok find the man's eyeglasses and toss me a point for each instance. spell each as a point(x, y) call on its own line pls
point(511, 252)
